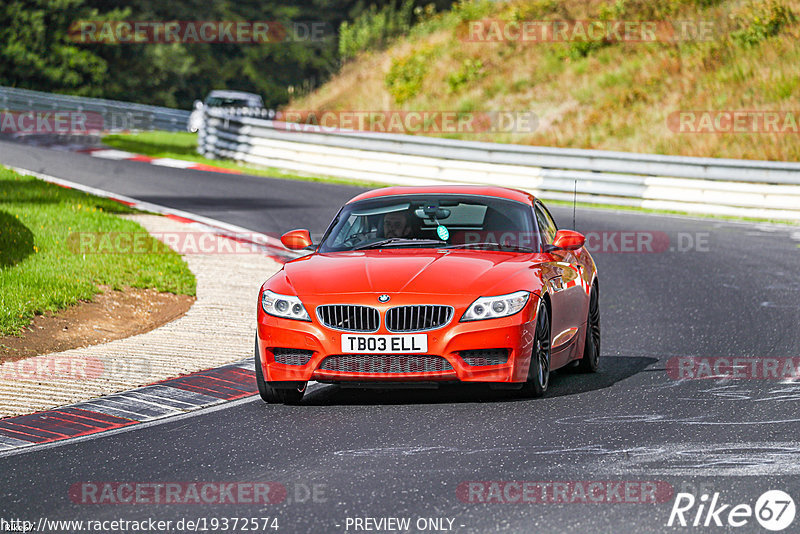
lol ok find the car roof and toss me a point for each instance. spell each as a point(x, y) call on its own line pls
point(481, 190)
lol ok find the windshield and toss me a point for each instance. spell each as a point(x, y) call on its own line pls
point(224, 102)
point(432, 221)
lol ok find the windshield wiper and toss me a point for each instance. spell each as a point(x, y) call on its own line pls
point(397, 241)
point(487, 244)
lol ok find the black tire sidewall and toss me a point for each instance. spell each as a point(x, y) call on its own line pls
point(532, 387)
point(589, 364)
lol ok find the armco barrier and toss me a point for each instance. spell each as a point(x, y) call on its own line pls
point(117, 116)
point(764, 189)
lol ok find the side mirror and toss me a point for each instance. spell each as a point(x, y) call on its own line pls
point(568, 240)
point(296, 239)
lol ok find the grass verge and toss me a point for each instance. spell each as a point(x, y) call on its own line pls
point(39, 272)
point(183, 145)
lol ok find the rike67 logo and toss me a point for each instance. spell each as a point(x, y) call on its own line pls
point(774, 510)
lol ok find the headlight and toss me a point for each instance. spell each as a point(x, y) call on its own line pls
point(284, 306)
point(493, 307)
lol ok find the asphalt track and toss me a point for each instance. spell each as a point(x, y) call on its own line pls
point(405, 453)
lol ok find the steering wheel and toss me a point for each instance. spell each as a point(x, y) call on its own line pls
point(356, 239)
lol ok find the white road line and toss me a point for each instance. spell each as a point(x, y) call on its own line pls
point(141, 426)
point(112, 154)
point(123, 407)
point(7, 442)
point(174, 163)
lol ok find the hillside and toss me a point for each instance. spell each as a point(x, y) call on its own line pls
point(605, 94)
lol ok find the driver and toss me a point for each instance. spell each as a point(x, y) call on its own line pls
point(396, 224)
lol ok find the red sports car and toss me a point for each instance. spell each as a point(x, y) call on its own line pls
point(425, 285)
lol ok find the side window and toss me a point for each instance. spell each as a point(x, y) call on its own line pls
point(547, 227)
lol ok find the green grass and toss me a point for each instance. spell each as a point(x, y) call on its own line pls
point(40, 267)
point(183, 145)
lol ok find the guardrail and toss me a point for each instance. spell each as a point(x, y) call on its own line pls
point(116, 115)
point(743, 188)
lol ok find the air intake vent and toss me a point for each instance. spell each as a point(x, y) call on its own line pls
point(292, 356)
point(349, 317)
point(483, 357)
point(417, 318)
point(385, 363)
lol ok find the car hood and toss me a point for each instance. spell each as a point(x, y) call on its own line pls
point(409, 271)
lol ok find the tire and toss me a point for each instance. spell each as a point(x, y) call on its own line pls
point(291, 393)
point(591, 348)
point(539, 370)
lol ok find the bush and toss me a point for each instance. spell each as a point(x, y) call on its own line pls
point(581, 49)
point(467, 10)
point(470, 70)
point(760, 20)
point(405, 76)
point(375, 28)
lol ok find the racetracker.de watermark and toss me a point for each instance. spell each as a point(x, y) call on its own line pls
point(61, 367)
point(163, 242)
point(149, 524)
point(413, 122)
point(737, 121)
point(209, 492)
point(56, 367)
point(35, 121)
point(565, 492)
point(595, 30)
point(197, 31)
point(736, 368)
point(600, 241)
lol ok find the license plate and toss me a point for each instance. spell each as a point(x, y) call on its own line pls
point(380, 344)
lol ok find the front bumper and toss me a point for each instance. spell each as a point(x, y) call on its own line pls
point(515, 334)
